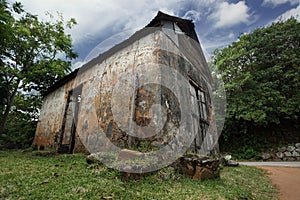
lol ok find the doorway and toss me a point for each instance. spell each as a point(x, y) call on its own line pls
point(68, 135)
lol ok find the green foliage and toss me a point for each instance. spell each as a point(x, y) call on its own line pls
point(33, 55)
point(21, 123)
point(26, 176)
point(247, 153)
point(261, 74)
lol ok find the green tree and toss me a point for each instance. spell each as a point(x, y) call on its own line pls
point(21, 122)
point(261, 72)
point(34, 54)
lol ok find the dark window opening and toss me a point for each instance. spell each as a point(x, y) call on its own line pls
point(199, 94)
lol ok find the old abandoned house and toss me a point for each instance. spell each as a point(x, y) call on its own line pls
point(87, 109)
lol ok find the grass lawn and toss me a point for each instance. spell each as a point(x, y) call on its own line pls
point(27, 176)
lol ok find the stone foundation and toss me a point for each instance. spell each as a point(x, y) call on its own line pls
point(199, 168)
point(193, 166)
point(286, 153)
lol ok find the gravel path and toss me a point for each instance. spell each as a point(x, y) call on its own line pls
point(286, 179)
point(284, 175)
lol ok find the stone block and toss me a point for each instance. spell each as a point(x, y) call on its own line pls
point(189, 170)
point(297, 145)
point(295, 154)
point(232, 163)
point(279, 155)
point(202, 173)
point(198, 168)
point(290, 148)
point(126, 154)
point(282, 149)
point(287, 154)
point(266, 156)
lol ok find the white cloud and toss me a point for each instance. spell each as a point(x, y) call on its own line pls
point(231, 14)
point(99, 20)
point(96, 18)
point(193, 15)
point(293, 12)
point(275, 3)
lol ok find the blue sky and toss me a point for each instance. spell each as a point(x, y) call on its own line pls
point(217, 22)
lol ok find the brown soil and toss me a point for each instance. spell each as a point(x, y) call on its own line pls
point(287, 180)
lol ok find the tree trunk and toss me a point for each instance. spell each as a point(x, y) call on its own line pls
point(7, 108)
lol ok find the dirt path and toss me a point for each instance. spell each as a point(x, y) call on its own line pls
point(287, 180)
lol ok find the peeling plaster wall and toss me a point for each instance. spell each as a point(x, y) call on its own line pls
point(98, 84)
point(51, 116)
point(185, 56)
point(96, 112)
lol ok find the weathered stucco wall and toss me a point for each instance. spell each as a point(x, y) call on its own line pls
point(51, 116)
point(98, 83)
point(97, 126)
point(96, 112)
